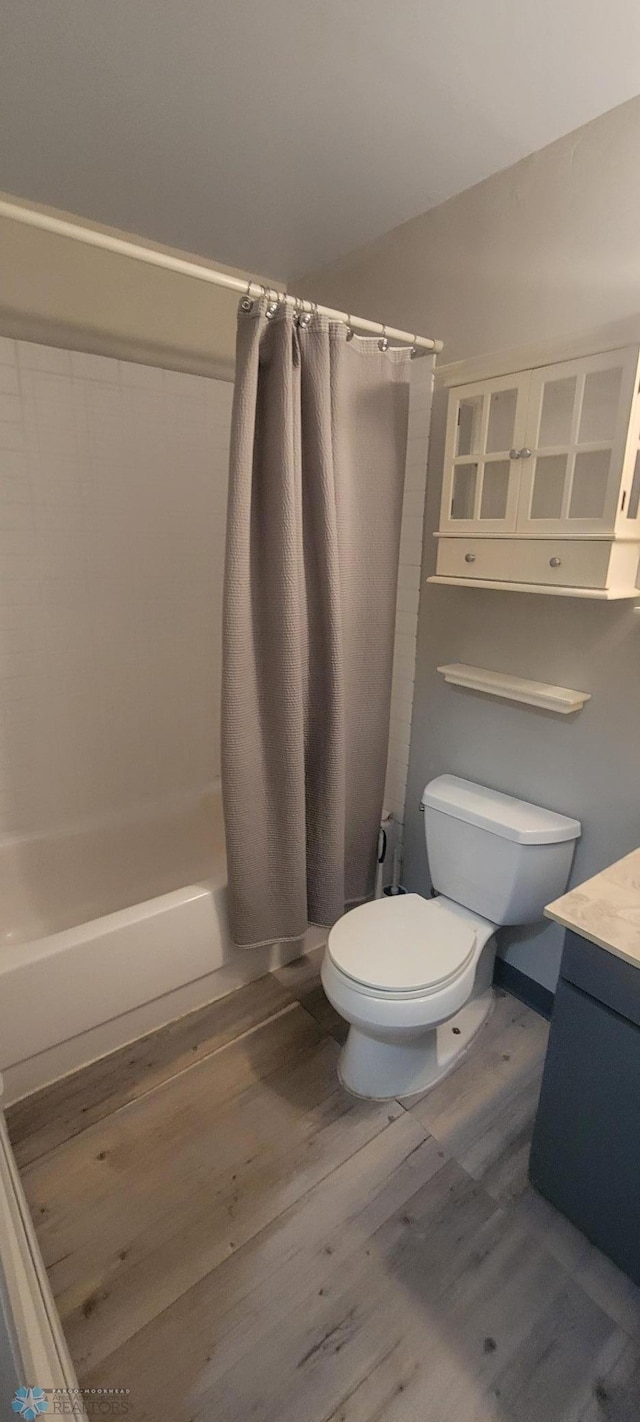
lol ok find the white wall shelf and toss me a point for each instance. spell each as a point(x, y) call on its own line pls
point(515, 688)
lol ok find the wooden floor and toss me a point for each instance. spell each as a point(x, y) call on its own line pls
point(233, 1237)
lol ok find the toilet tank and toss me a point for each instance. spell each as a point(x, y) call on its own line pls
point(501, 857)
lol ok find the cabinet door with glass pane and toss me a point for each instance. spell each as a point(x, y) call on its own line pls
point(575, 445)
point(485, 430)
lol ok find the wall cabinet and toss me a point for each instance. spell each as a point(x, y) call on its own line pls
point(541, 484)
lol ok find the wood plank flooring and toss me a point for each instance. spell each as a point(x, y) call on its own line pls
point(231, 1236)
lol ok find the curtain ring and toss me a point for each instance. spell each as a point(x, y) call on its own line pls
point(246, 303)
point(350, 331)
point(414, 349)
point(273, 304)
point(304, 318)
point(383, 343)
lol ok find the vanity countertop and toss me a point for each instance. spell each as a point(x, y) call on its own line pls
point(606, 909)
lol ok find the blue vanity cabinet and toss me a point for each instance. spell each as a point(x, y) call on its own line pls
point(585, 1155)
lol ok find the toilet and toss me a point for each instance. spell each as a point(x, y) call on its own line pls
point(413, 976)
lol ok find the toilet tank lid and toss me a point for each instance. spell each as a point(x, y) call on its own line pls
point(501, 814)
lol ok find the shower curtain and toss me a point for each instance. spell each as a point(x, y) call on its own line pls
point(318, 446)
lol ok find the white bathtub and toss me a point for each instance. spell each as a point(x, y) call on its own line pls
point(112, 930)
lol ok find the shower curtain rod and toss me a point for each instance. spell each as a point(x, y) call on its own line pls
point(92, 238)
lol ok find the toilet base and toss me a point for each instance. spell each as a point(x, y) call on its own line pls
point(381, 1070)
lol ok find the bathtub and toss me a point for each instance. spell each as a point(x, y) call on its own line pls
point(112, 929)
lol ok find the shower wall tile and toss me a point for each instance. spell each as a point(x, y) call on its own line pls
point(113, 484)
point(406, 602)
point(404, 660)
point(408, 577)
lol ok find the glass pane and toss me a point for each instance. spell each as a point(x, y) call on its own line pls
point(502, 420)
point(495, 488)
point(464, 490)
point(557, 410)
point(634, 497)
point(590, 483)
point(469, 417)
point(600, 405)
point(548, 486)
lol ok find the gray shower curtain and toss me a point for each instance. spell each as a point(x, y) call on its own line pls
point(315, 501)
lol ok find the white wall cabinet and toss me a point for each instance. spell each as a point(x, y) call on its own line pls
point(541, 483)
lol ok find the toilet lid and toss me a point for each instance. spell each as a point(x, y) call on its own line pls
point(402, 944)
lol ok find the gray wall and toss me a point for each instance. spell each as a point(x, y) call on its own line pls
point(586, 765)
point(549, 247)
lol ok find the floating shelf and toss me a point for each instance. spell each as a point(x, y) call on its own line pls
point(515, 688)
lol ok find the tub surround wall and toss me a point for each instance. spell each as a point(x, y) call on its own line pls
point(544, 250)
point(113, 486)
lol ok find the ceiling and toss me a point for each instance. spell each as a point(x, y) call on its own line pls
point(276, 135)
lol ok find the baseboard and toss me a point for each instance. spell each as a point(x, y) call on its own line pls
point(526, 989)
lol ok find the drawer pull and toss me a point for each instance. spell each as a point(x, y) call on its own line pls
point(525, 453)
point(469, 557)
point(555, 562)
point(514, 453)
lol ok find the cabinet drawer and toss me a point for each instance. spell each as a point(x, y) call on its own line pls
point(609, 979)
point(476, 558)
point(560, 561)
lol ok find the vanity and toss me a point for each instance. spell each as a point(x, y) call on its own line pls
point(585, 1155)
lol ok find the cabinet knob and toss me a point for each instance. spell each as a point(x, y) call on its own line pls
point(525, 453)
point(514, 453)
point(555, 562)
point(469, 557)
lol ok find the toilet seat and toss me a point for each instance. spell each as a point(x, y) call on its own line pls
point(404, 946)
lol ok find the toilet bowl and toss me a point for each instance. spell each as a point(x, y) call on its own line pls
point(412, 976)
point(405, 973)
